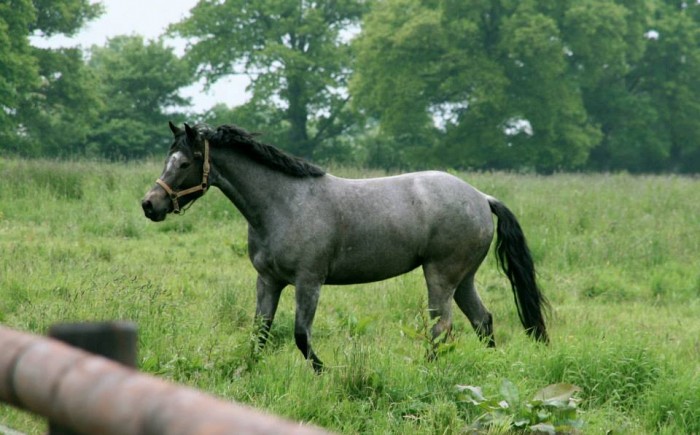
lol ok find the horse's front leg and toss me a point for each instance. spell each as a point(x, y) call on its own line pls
point(268, 297)
point(307, 295)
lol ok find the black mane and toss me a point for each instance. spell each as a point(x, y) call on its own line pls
point(243, 141)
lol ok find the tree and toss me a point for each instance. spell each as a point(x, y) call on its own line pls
point(607, 49)
point(30, 78)
point(475, 83)
point(63, 16)
point(58, 116)
point(296, 53)
point(549, 84)
point(139, 83)
point(18, 68)
point(396, 79)
point(251, 116)
point(671, 67)
point(638, 64)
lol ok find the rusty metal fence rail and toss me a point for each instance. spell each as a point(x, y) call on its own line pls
point(90, 394)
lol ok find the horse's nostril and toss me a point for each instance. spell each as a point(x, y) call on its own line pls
point(146, 205)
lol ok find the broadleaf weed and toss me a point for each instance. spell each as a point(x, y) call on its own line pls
point(553, 409)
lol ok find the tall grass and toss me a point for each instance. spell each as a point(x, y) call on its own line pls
point(617, 256)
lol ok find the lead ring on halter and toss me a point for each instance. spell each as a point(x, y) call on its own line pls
point(174, 195)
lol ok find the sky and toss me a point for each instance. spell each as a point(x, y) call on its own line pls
point(150, 18)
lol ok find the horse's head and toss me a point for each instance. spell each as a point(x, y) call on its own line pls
point(184, 178)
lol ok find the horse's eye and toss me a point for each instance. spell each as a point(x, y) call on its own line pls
point(184, 165)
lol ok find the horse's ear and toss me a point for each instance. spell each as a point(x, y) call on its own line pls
point(174, 128)
point(191, 133)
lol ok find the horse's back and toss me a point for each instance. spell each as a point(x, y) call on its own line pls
point(427, 195)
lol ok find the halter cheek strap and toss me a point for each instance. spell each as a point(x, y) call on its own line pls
point(174, 195)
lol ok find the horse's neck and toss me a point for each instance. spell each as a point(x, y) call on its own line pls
point(256, 190)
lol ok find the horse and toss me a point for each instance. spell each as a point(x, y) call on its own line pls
point(307, 228)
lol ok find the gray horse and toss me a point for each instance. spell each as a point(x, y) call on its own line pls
point(308, 228)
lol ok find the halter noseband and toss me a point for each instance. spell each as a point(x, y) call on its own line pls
point(174, 195)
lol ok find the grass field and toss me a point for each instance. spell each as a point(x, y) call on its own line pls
point(618, 256)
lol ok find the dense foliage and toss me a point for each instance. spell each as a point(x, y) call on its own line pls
point(139, 81)
point(293, 50)
point(543, 84)
point(527, 85)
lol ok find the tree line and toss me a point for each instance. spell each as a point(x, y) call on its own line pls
point(543, 85)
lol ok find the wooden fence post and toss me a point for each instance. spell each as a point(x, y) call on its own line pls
point(114, 340)
point(94, 395)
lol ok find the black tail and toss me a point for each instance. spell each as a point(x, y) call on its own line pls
point(515, 259)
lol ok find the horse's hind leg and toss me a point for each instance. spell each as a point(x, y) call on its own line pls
point(307, 300)
point(441, 287)
point(268, 297)
point(469, 302)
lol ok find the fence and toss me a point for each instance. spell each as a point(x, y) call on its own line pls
point(83, 393)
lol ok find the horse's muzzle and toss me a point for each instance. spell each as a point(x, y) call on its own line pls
point(150, 211)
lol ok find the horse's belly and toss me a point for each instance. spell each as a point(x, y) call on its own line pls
point(369, 267)
point(363, 276)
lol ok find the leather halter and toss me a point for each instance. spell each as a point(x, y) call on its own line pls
point(174, 195)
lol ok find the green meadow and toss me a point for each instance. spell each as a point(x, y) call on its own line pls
point(618, 256)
